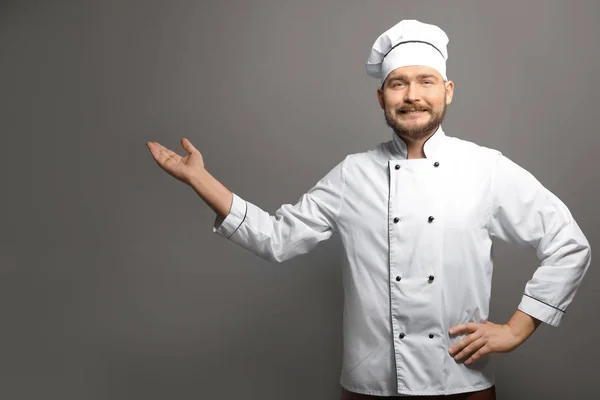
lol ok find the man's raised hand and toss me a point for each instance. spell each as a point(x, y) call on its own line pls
point(182, 168)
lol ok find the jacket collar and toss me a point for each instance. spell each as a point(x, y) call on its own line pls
point(431, 147)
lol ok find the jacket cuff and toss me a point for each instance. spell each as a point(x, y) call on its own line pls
point(237, 214)
point(540, 310)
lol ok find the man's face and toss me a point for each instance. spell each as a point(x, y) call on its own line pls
point(414, 100)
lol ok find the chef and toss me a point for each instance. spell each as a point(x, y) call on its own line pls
point(416, 216)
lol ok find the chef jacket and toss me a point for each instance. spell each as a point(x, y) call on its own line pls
point(417, 238)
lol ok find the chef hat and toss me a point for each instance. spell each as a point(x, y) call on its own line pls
point(409, 42)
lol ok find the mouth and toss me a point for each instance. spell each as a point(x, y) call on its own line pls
point(412, 113)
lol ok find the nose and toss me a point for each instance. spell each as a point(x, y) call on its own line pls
point(412, 94)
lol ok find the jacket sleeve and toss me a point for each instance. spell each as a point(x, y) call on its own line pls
point(526, 213)
point(293, 229)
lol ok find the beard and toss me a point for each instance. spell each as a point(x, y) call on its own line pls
point(414, 132)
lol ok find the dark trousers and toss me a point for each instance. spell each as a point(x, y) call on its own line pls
point(487, 394)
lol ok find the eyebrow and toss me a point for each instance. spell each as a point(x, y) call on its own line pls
point(420, 76)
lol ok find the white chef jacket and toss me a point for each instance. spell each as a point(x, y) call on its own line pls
point(417, 236)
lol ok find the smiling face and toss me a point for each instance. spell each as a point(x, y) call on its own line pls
point(414, 100)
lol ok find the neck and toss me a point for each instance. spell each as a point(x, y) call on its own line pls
point(415, 151)
point(416, 146)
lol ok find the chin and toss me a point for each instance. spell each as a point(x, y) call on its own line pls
point(415, 127)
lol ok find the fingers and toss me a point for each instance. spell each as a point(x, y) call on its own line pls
point(482, 352)
point(162, 155)
point(464, 342)
point(471, 348)
point(167, 151)
point(478, 344)
point(469, 327)
point(161, 150)
point(188, 146)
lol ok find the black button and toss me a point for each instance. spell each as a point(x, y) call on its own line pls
point(431, 336)
point(402, 336)
point(397, 166)
point(436, 164)
point(396, 220)
point(398, 278)
point(431, 277)
point(430, 219)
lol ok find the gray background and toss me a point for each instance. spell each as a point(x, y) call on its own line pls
point(122, 291)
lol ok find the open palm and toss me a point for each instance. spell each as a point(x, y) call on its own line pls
point(182, 168)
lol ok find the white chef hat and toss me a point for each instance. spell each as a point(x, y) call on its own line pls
point(409, 42)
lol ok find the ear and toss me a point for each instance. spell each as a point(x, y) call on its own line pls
point(380, 97)
point(449, 91)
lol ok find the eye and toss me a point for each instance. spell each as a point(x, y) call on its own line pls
point(429, 82)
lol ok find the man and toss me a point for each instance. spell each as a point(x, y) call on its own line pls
point(416, 216)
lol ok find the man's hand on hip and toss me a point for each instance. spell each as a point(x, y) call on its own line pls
point(483, 339)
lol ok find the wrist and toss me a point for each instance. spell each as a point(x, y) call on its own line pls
point(522, 325)
point(198, 179)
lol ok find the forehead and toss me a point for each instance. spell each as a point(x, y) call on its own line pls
point(412, 71)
